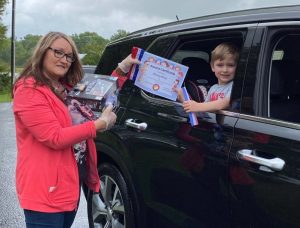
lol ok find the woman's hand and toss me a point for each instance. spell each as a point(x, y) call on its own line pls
point(107, 119)
point(126, 63)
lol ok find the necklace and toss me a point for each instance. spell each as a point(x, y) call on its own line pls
point(58, 88)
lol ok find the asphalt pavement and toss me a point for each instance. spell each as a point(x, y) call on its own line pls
point(11, 215)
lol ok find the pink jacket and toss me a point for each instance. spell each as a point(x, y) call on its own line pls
point(46, 174)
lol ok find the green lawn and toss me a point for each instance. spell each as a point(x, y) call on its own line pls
point(6, 97)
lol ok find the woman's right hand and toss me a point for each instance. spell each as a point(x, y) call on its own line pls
point(107, 119)
point(126, 63)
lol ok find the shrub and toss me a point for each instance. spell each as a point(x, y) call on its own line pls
point(5, 82)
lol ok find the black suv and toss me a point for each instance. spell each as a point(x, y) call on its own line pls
point(240, 167)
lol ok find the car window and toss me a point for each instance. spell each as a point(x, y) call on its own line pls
point(284, 84)
point(194, 52)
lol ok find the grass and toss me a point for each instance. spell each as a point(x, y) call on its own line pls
point(5, 97)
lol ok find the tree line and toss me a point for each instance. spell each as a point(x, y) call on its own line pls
point(4, 81)
point(89, 44)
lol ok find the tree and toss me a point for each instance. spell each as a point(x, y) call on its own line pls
point(4, 76)
point(24, 48)
point(118, 35)
point(5, 47)
point(91, 44)
point(2, 27)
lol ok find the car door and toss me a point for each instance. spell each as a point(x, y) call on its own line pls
point(264, 160)
point(181, 172)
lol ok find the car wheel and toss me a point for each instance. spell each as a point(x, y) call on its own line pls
point(112, 207)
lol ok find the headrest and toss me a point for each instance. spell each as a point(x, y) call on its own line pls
point(277, 83)
point(198, 69)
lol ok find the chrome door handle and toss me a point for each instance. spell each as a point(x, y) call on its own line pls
point(134, 123)
point(274, 163)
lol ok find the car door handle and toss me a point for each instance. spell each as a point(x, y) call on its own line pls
point(135, 123)
point(274, 163)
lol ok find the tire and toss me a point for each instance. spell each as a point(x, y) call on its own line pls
point(112, 207)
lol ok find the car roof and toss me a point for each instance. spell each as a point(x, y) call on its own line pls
point(277, 13)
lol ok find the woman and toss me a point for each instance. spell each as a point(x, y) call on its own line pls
point(47, 179)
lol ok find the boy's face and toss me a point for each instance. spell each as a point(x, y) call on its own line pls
point(224, 69)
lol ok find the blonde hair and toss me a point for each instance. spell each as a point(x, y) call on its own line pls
point(34, 66)
point(223, 50)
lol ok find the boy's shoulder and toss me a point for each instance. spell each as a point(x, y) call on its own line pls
point(229, 84)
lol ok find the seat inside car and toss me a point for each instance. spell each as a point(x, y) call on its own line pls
point(199, 77)
point(196, 92)
point(199, 71)
point(285, 91)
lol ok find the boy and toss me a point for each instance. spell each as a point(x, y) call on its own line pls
point(223, 63)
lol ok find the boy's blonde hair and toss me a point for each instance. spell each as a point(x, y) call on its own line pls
point(223, 50)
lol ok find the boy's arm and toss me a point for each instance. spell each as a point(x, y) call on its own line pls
point(193, 106)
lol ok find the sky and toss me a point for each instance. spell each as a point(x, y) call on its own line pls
point(105, 17)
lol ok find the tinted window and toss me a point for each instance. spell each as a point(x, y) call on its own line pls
point(284, 96)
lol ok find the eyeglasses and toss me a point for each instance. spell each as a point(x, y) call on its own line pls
point(60, 54)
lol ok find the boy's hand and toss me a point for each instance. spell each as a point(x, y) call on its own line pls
point(179, 94)
point(190, 106)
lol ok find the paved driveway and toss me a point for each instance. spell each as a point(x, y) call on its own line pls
point(11, 215)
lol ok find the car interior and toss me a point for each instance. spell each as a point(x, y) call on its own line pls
point(199, 77)
point(285, 80)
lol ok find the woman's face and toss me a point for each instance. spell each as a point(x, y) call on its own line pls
point(57, 67)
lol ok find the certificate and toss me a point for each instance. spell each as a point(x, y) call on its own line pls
point(156, 74)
